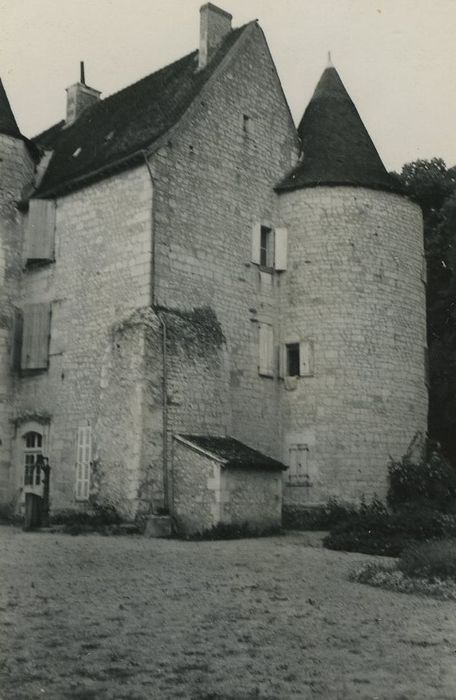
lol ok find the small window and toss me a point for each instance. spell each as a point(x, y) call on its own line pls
point(83, 463)
point(292, 360)
point(247, 124)
point(266, 247)
point(298, 466)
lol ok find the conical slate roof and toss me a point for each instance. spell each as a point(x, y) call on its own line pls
point(337, 150)
point(8, 123)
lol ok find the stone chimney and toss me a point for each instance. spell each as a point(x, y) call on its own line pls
point(80, 96)
point(215, 24)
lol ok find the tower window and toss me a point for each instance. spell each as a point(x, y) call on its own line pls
point(247, 125)
point(293, 360)
point(266, 256)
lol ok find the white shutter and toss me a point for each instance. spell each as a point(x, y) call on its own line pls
point(256, 242)
point(266, 349)
point(306, 358)
point(40, 233)
point(281, 248)
point(35, 336)
point(83, 461)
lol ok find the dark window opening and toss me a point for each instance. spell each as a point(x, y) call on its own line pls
point(246, 124)
point(293, 360)
point(266, 247)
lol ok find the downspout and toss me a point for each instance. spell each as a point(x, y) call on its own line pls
point(153, 303)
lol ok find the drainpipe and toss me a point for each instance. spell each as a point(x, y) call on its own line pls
point(153, 303)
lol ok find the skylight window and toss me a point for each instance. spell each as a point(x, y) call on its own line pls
point(109, 136)
point(77, 152)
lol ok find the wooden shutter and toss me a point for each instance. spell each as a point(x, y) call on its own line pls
point(35, 336)
point(16, 344)
point(281, 248)
point(40, 233)
point(83, 462)
point(306, 358)
point(256, 242)
point(266, 349)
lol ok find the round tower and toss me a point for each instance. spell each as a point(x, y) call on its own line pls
point(16, 171)
point(353, 328)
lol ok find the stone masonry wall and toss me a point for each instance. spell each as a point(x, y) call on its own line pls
point(196, 499)
point(212, 181)
point(16, 172)
point(354, 287)
point(100, 276)
point(253, 497)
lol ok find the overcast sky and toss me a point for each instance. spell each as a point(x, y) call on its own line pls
point(397, 58)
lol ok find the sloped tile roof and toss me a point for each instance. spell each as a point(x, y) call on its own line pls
point(234, 453)
point(8, 124)
point(337, 149)
point(119, 126)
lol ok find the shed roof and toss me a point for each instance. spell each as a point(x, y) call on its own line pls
point(115, 129)
point(233, 452)
point(336, 147)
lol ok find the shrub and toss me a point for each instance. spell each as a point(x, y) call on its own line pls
point(228, 531)
point(99, 518)
point(430, 483)
point(430, 560)
point(317, 517)
point(374, 530)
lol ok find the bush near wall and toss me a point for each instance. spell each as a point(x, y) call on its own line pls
point(422, 506)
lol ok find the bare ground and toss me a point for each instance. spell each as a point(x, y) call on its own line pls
point(99, 618)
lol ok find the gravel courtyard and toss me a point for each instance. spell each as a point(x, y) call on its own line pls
point(95, 617)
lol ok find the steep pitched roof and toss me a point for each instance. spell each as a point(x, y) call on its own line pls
point(8, 124)
point(233, 453)
point(118, 127)
point(337, 149)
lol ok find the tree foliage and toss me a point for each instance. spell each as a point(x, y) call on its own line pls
point(433, 186)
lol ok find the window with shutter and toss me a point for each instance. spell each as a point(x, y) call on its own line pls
point(35, 336)
point(83, 463)
point(40, 232)
point(265, 349)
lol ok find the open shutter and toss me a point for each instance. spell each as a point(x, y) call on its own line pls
point(256, 242)
point(282, 357)
point(16, 345)
point(306, 358)
point(83, 462)
point(40, 234)
point(35, 336)
point(281, 248)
